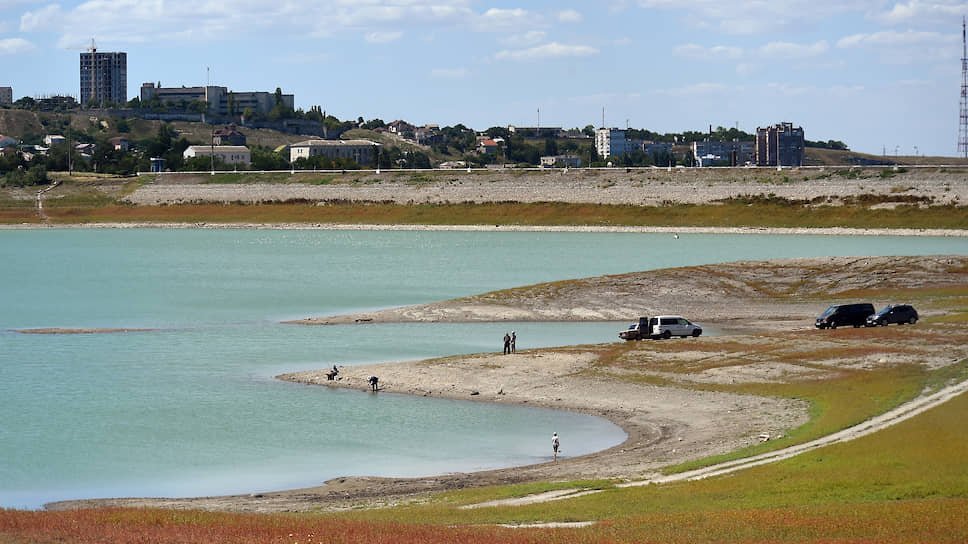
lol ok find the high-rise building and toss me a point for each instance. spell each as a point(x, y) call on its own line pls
point(6, 96)
point(779, 145)
point(104, 78)
point(611, 142)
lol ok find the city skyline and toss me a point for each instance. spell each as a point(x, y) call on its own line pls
point(882, 76)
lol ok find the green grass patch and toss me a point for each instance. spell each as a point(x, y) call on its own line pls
point(869, 488)
point(547, 214)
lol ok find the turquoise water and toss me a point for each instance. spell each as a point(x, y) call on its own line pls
point(191, 408)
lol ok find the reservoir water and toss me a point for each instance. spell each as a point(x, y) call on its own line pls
point(190, 407)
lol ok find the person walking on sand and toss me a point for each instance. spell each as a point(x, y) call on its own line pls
point(507, 343)
point(514, 339)
point(555, 443)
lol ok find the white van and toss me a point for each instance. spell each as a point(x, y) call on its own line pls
point(667, 326)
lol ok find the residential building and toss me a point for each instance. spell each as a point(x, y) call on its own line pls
point(220, 100)
point(611, 142)
point(120, 143)
point(363, 152)
point(719, 153)
point(427, 134)
point(7, 141)
point(6, 96)
point(655, 148)
point(779, 145)
point(561, 161)
point(535, 132)
point(400, 128)
point(229, 135)
point(104, 78)
point(54, 139)
point(229, 154)
point(488, 146)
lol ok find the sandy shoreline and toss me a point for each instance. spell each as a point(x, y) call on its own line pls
point(839, 231)
point(671, 416)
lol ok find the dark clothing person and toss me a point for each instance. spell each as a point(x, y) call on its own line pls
point(374, 383)
point(507, 343)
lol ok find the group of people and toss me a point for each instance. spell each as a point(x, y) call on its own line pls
point(510, 339)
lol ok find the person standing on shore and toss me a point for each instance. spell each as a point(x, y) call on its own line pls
point(555, 443)
point(514, 339)
point(507, 343)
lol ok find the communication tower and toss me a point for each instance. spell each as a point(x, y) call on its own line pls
point(963, 120)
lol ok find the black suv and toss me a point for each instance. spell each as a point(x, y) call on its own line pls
point(845, 314)
point(894, 313)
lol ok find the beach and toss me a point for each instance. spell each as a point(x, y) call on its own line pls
point(763, 310)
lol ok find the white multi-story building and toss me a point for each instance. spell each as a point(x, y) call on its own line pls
point(363, 152)
point(611, 142)
point(229, 154)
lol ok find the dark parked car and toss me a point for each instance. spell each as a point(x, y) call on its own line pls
point(894, 313)
point(845, 314)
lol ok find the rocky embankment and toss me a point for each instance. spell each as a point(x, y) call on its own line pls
point(618, 186)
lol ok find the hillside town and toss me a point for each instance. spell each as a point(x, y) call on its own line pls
point(97, 133)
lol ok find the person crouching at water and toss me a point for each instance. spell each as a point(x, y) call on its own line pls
point(374, 383)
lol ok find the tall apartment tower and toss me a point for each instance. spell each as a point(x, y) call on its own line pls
point(104, 77)
point(779, 145)
point(6, 96)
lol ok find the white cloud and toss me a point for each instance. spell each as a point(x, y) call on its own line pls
point(130, 21)
point(382, 37)
point(745, 69)
point(787, 50)
point(524, 40)
point(716, 52)
point(756, 17)
point(894, 38)
point(449, 73)
point(919, 11)
point(570, 16)
point(14, 46)
point(498, 20)
point(48, 17)
point(547, 51)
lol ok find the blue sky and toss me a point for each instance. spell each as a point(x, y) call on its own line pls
point(879, 75)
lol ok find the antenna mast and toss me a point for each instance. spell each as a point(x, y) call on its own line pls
point(963, 120)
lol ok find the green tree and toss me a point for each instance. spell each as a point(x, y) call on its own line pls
point(264, 158)
point(551, 147)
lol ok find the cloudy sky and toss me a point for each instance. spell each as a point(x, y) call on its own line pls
point(883, 76)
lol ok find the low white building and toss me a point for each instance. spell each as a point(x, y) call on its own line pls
point(561, 161)
point(363, 152)
point(229, 154)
